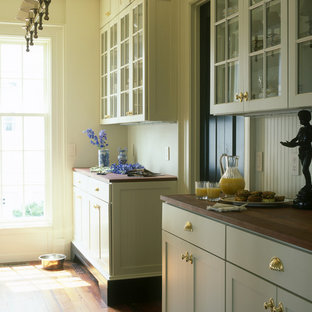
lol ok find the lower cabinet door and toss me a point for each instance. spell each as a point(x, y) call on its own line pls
point(99, 232)
point(193, 279)
point(292, 303)
point(245, 292)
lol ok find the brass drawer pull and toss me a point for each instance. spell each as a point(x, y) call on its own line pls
point(269, 304)
point(276, 264)
point(188, 226)
point(279, 308)
point(97, 206)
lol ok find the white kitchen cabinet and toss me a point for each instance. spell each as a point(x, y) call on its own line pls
point(139, 63)
point(258, 270)
point(247, 292)
point(249, 61)
point(300, 53)
point(193, 278)
point(117, 227)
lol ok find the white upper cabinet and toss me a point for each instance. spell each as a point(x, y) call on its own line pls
point(139, 64)
point(227, 58)
point(261, 55)
point(109, 9)
point(300, 53)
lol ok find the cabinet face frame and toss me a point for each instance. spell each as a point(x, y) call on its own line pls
point(295, 100)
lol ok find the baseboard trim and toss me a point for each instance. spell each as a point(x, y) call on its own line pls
point(115, 292)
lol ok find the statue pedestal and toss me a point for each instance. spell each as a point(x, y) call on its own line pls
point(303, 199)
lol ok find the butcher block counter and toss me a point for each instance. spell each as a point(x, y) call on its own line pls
point(113, 177)
point(248, 260)
point(285, 224)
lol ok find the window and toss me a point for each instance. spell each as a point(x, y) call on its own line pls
point(24, 131)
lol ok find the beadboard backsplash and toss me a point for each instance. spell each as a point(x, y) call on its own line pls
point(281, 170)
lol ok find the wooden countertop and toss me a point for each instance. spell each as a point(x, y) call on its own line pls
point(112, 177)
point(284, 224)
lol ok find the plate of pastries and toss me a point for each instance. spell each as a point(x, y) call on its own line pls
point(257, 199)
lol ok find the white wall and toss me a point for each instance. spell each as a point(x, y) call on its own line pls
point(148, 145)
point(277, 174)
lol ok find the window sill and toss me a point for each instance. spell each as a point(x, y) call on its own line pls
point(25, 225)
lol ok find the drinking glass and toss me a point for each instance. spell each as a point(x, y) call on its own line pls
point(213, 191)
point(201, 189)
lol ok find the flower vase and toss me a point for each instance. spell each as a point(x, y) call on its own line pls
point(103, 157)
point(122, 156)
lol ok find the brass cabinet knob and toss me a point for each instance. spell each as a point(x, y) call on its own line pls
point(245, 96)
point(269, 304)
point(129, 113)
point(276, 264)
point(239, 96)
point(188, 226)
point(97, 189)
point(189, 259)
point(279, 308)
point(97, 206)
point(186, 256)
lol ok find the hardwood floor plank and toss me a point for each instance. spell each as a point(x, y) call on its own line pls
point(29, 288)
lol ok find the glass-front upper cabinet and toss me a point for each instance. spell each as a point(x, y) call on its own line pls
point(300, 53)
point(249, 61)
point(227, 57)
point(267, 55)
point(104, 74)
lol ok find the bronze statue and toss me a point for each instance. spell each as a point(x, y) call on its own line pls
point(303, 140)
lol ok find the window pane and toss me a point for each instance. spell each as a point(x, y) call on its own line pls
point(12, 138)
point(34, 133)
point(304, 18)
point(34, 201)
point(33, 101)
point(12, 201)
point(34, 168)
point(256, 29)
point(273, 24)
point(33, 62)
point(12, 168)
point(11, 60)
point(273, 71)
point(11, 92)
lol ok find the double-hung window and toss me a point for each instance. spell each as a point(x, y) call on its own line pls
point(25, 138)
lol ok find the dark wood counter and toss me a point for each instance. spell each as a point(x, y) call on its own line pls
point(284, 224)
point(112, 177)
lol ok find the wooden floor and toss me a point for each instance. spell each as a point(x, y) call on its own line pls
point(28, 287)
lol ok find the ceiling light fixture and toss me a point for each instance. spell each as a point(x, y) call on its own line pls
point(32, 12)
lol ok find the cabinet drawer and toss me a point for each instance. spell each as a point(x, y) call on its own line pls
point(80, 181)
point(198, 230)
point(99, 189)
point(254, 253)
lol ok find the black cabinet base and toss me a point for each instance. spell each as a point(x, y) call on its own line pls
point(115, 292)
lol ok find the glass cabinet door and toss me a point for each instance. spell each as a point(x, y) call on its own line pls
point(300, 42)
point(227, 56)
point(104, 74)
point(267, 67)
point(137, 60)
point(124, 66)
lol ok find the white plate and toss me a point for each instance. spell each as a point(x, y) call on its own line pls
point(231, 200)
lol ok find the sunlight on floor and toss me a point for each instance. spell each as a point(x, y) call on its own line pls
point(28, 278)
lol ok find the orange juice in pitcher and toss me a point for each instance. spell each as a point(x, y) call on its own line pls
point(231, 180)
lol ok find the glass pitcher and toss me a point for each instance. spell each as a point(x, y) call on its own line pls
point(231, 180)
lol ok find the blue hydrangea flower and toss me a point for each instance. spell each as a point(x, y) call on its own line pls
point(100, 141)
point(124, 168)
